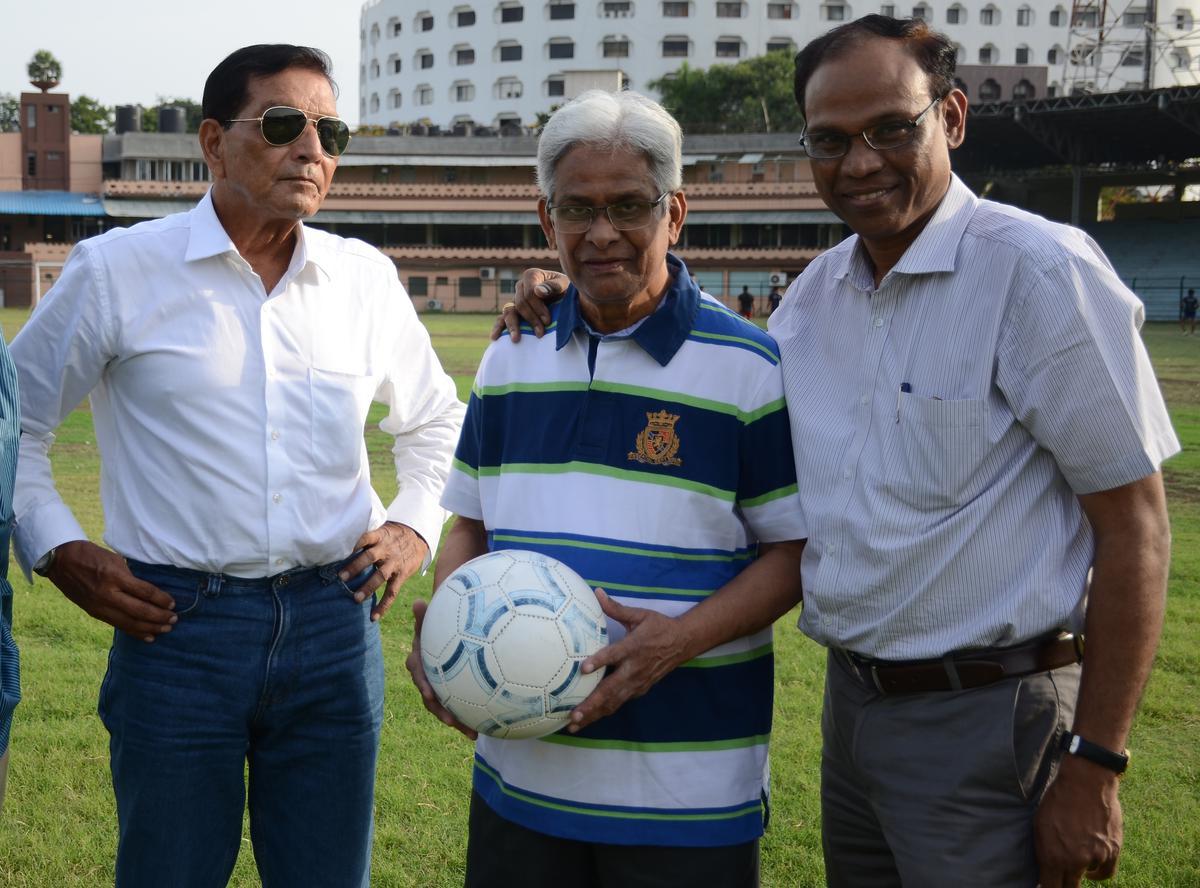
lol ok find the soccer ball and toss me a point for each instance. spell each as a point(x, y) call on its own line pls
point(503, 640)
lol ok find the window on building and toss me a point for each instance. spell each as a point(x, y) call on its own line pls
point(394, 27)
point(960, 54)
point(781, 10)
point(1023, 90)
point(888, 9)
point(374, 33)
point(728, 10)
point(1024, 17)
point(833, 12)
point(395, 66)
point(675, 47)
point(1083, 54)
point(556, 86)
point(1134, 57)
point(989, 90)
point(394, 100)
point(374, 102)
point(1058, 17)
point(615, 48)
point(1022, 55)
point(729, 48)
point(781, 44)
point(31, 116)
point(424, 94)
point(955, 15)
point(562, 9)
point(425, 59)
point(512, 13)
point(464, 18)
point(562, 48)
point(989, 15)
point(616, 8)
point(374, 68)
point(921, 12)
point(31, 163)
point(1084, 18)
point(1180, 59)
point(418, 286)
point(1134, 17)
point(675, 9)
point(510, 52)
point(988, 54)
point(425, 22)
point(508, 88)
point(464, 55)
point(1054, 56)
point(469, 286)
point(1183, 20)
point(463, 91)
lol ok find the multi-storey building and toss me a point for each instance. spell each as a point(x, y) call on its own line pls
point(499, 63)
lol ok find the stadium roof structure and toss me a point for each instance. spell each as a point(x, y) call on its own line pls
point(1154, 128)
point(49, 203)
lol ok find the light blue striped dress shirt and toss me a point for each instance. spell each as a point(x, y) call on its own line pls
point(10, 434)
point(944, 424)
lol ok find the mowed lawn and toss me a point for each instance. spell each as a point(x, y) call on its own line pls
point(59, 827)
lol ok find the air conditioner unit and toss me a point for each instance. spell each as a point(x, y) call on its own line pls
point(487, 273)
point(434, 305)
point(777, 279)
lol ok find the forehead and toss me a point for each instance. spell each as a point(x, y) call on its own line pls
point(298, 87)
point(602, 174)
point(870, 79)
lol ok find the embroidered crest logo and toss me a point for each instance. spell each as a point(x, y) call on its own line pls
point(657, 443)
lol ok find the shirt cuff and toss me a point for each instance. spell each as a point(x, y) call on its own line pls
point(40, 530)
point(415, 509)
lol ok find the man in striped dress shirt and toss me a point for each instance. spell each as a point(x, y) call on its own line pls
point(10, 674)
point(978, 434)
point(645, 444)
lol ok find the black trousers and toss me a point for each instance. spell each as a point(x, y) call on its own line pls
point(501, 854)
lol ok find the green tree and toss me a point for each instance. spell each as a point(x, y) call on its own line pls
point(44, 67)
point(192, 114)
point(10, 113)
point(89, 116)
point(751, 96)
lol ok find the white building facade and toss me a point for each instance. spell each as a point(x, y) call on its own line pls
point(498, 63)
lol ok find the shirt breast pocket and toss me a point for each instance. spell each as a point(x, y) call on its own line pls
point(941, 446)
point(340, 401)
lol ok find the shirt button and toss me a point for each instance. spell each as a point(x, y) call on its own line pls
point(878, 322)
point(864, 400)
point(274, 434)
point(278, 562)
point(830, 549)
point(846, 473)
point(278, 497)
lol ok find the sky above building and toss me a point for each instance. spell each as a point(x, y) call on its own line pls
point(125, 52)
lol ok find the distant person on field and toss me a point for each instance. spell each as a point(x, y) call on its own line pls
point(664, 476)
point(773, 300)
point(231, 355)
point(10, 663)
point(1188, 305)
point(746, 303)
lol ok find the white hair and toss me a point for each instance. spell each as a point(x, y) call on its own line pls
point(624, 120)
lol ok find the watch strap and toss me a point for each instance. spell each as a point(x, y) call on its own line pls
point(1116, 762)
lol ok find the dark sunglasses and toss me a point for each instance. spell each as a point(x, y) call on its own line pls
point(282, 125)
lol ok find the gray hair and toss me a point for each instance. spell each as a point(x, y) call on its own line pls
point(624, 120)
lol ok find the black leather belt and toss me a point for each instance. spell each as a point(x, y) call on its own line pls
point(959, 670)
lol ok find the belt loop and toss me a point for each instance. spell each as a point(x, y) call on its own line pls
point(874, 670)
point(212, 588)
point(952, 672)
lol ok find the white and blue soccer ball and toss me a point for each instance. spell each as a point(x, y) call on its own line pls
point(503, 641)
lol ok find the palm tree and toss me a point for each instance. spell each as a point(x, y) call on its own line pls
point(44, 70)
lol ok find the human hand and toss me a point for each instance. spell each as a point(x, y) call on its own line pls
point(1078, 828)
point(99, 581)
point(653, 645)
point(416, 671)
point(535, 288)
point(397, 551)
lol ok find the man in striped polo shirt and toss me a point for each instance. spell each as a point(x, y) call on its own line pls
point(645, 443)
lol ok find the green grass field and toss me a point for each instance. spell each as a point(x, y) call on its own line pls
point(59, 826)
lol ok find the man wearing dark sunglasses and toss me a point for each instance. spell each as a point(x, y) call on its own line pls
point(231, 355)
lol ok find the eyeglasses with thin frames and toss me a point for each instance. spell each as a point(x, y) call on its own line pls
point(281, 125)
point(822, 145)
point(626, 215)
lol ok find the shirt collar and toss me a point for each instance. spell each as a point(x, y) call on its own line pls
point(934, 250)
point(662, 333)
point(208, 239)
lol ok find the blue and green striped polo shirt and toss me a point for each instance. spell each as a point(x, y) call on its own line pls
point(652, 463)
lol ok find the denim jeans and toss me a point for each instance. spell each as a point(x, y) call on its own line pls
point(283, 673)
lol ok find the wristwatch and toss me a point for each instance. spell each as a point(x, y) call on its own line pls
point(1073, 744)
point(43, 564)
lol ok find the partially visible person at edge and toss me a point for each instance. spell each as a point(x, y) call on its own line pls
point(10, 661)
point(978, 435)
point(1187, 312)
point(745, 301)
point(773, 300)
point(662, 472)
point(231, 355)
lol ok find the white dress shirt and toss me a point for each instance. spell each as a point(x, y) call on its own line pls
point(945, 423)
point(229, 421)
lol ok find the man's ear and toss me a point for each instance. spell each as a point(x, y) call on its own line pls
point(677, 207)
point(547, 227)
point(213, 145)
point(954, 116)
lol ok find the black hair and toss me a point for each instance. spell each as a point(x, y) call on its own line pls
point(227, 86)
point(933, 51)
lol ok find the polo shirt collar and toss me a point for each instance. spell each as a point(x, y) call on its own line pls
point(208, 238)
point(934, 250)
point(662, 333)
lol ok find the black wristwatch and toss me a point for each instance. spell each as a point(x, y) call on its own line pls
point(1116, 762)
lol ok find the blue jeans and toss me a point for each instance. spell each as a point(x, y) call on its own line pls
point(285, 673)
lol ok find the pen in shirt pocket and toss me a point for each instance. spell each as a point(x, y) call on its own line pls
point(905, 389)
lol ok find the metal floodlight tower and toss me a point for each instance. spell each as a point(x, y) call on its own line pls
point(1115, 45)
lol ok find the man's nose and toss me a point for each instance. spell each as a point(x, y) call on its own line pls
point(601, 230)
point(861, 159)
point(308, 144)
